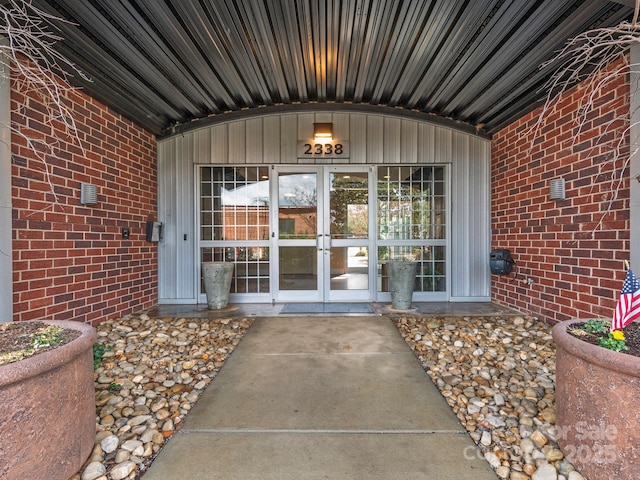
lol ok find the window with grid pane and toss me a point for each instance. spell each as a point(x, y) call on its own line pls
point(412, 222)
point(234, 223)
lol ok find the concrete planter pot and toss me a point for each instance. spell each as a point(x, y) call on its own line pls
point(597, 392)
point(48, 421)
point(402, 278)
point(217, 283)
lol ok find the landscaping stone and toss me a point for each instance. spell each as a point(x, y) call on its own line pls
point(545, 471)
point(93, 471)
point(121, 471)
point(503, 392)
point(151, 374)
point(501, 385)
point(109, 444)
point(575, 476)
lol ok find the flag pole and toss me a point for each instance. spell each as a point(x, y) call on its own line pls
point(626, 265)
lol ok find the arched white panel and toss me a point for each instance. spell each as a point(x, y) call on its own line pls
point(372, 139)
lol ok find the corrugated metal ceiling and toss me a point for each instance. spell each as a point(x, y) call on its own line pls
point(170, 65)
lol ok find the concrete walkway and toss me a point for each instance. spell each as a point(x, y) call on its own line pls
point(321, 398)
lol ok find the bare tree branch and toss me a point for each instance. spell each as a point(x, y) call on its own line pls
point(593, 62)
point(41, 73)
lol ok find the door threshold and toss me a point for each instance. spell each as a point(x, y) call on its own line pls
point(317, 307)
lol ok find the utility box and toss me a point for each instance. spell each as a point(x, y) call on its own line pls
point(501, 262)
point(154, 231)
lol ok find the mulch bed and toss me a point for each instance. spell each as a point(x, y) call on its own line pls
point(16, 336)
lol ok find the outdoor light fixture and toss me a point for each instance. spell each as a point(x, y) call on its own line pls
point(323, 132)
point(557, 189)
point(88, 194)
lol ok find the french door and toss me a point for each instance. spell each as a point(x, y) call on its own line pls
point(324, 233)
point(321, 237)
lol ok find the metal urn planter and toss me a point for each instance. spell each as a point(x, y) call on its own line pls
point(217, 278)
point(402, 278)
point(597, 393)
point(48, 420)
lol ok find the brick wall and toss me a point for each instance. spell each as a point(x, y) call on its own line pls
point(69, 260)
point(572, 249)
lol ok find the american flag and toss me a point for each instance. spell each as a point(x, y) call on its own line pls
point(628, 308)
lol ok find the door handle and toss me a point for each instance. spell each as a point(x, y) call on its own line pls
point(327, 242)
point(319, 242)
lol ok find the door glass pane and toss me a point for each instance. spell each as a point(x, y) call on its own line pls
point(298, 268)
point(349, 268)
point(349, 199)
point(297, 205)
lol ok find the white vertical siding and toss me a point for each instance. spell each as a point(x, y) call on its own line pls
point(482, 222)
point(470, 218)
point(289, 142)
point(271, 139)
point(167, 272)
point(460, 230)
point(202, 146)
point(254, 143)
point(176, 203)
point(237, 143)
point(373, 139)
point(391, 140)
point(426, 143)
point(342, 125)
point(443, 143)
point(409, 142)
point(185, 206)
point(305, 125)
point(219, 144)
point(358, 132)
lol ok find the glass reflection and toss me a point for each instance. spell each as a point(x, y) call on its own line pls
point(298, 268)
point(349, 268)
point(297, 205)
point(349, 199)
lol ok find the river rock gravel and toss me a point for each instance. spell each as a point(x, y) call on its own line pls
point(498, 376)
point(152, 373)
point(496, 373)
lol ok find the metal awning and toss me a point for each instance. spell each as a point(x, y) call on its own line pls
point(168, 65)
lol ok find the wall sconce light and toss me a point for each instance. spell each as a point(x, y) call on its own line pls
point(557, 189)
point(323, 132)
point(88, 194)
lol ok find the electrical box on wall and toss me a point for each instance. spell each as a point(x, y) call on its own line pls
point(154, 231)
point(501, 262)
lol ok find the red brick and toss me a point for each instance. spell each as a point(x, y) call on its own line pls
point(582, 277)
point(52, 245)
